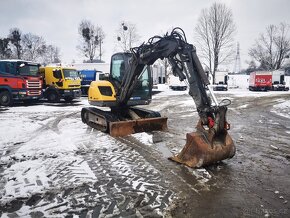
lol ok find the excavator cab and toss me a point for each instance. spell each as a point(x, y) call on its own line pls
point(120, 66)
point(126, 119)
point(105, 93)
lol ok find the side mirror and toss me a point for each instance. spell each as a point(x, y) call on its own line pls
point(57, 74)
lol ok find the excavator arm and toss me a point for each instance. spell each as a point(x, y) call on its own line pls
point(185, 64)
point(211, 142)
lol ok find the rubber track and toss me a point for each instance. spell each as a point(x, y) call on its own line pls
point(110, 117)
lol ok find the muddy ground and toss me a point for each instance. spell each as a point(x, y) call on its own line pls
point(131, 177)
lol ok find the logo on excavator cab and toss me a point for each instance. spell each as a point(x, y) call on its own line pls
point(135, 98)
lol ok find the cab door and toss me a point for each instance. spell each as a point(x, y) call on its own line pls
point(120, 68)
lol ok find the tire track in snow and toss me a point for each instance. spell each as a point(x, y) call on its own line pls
point(119, 182)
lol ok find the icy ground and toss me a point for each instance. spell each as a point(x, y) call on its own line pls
point(52, 164)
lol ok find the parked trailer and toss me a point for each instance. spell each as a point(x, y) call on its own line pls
point(278, 81)
point(260, 81)
point(19, 80)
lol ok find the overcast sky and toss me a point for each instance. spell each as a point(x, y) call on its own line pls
point(58, 20)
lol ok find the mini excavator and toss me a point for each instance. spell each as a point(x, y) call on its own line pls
point(130, 84)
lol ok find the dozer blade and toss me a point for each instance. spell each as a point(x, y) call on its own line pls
point(109, 122)
point(202, 149)
point(123, 128)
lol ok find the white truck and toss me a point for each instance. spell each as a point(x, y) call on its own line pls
point(278, 81)
point(221, 81)
point(175, 84)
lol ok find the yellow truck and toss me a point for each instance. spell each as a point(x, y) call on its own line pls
point(60, 83)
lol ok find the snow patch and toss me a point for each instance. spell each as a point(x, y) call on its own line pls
point(282, 109)
point(144, 137)
point(243, 106)
point(25, 179)
point(202, 175)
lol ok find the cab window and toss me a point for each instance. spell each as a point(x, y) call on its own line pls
point(8, 67)
point(70, 73)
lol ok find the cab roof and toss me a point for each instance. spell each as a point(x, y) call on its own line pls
point(18, 60)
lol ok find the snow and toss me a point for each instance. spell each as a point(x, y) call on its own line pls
point(29, 142)
point(36, 139)
point(166, 91)
point(282, 109)
point(243, 106)
point(247, 93)
point(34, 170)
point(144, 137)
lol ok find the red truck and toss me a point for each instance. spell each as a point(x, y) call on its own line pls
point(19, 80)
point(260, 81)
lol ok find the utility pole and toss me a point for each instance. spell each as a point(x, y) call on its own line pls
point(237, 67)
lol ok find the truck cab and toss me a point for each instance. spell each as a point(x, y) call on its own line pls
point(221, 81)
point(19, 81)
point(278, 81)
point(60, 83)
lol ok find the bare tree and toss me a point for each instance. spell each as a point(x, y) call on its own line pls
point(127, 36)
point(215, 36)
point(100, 39)
point(15, 37)
point(92, 38)
point(52, 54)
point(5, 51)
point(34, 47)
point(272, 47)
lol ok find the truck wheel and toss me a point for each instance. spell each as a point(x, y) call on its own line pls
point(6, 98)
point(68, 99)
point(52, 96)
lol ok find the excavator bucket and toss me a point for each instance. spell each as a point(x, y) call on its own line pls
point(123, 128)
point(202, 148)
